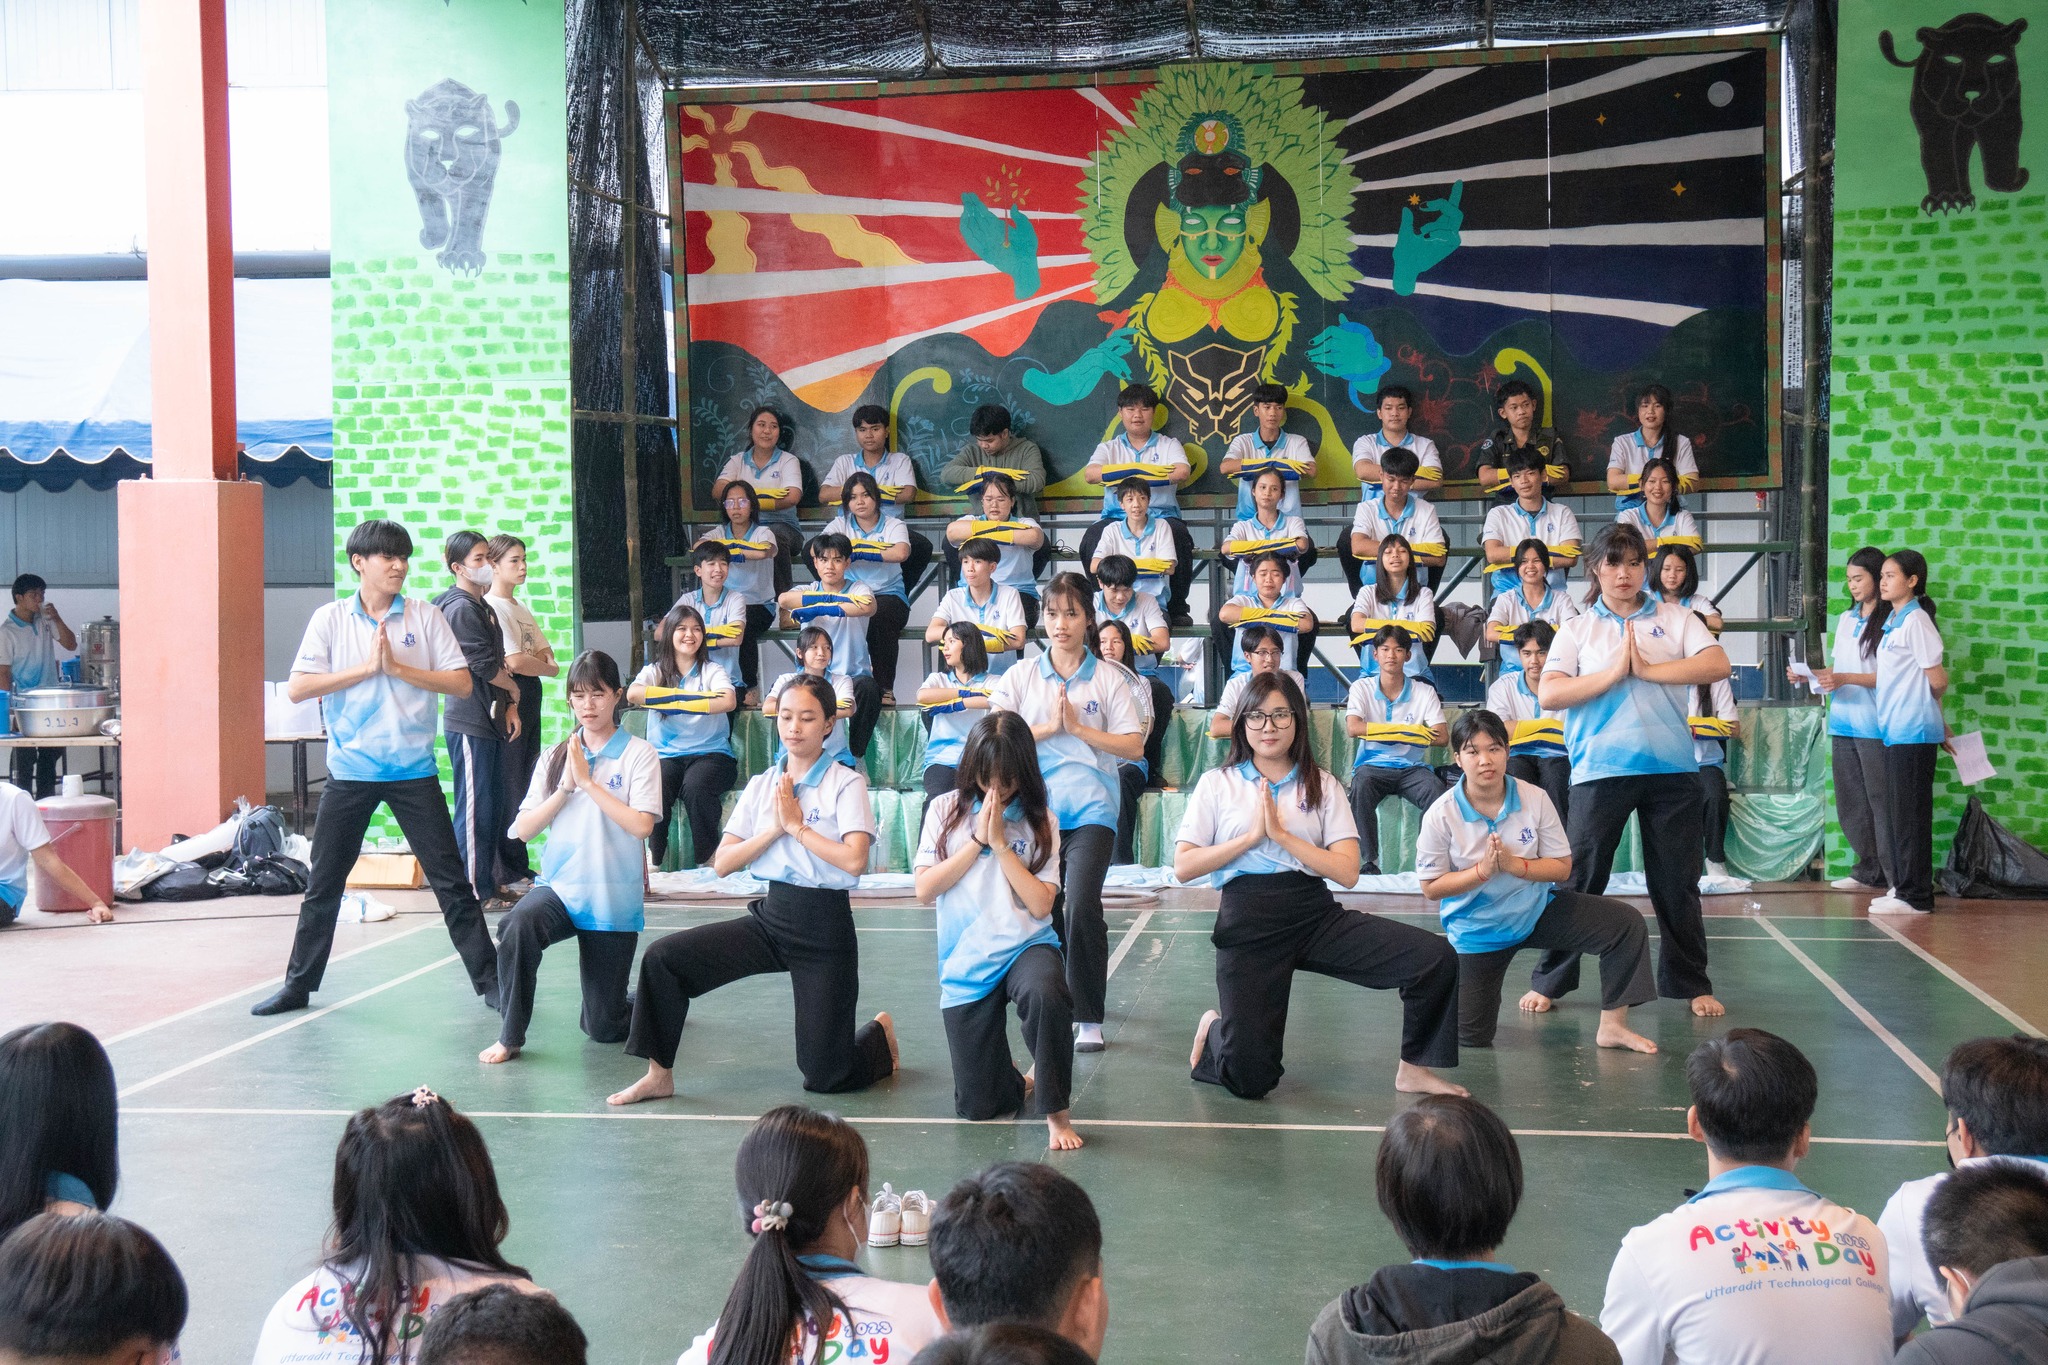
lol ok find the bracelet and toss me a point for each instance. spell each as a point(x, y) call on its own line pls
point(980, 843)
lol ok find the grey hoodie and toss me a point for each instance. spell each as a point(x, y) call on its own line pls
point(2004, 1323)
point(1420, 1315)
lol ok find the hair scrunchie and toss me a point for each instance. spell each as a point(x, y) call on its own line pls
point(771, 1216)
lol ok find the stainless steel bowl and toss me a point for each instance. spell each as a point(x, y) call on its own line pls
point(59, 722)
point(37, 698)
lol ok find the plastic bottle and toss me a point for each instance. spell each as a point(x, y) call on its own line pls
point(82, 834)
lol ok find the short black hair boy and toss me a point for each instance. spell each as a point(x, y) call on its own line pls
point(1013, 1242)
point(368, 538)
point(1753, 1094)
point(498, 1325)
point(1449, 1177)
point(1116, 571)
point(1998, 1088)
point(86, 1286)
point(1137, 396)
point(871, 415)
point(1986, 1215)
point(990, 419)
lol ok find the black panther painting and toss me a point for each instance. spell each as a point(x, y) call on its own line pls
point(452, 144)
point(1966, 93)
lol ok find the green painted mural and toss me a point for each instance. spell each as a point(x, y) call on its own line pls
point(451, 286)
point(1940, 328)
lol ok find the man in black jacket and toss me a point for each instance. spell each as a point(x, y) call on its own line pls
point(1986, 1235)
point(478, 725)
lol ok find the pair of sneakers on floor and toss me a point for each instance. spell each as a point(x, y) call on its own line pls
point(1887, 904)
point(899, 1220)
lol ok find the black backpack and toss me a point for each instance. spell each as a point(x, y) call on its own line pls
point(261, 835)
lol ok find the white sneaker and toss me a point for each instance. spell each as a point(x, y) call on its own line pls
point(885, 1219)
point(1892, 905)
point(1715, 869)
point(1087, 1037)
point(1849, 884)
point(917, 1218)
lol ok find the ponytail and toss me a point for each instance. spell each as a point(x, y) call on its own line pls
point(794, 1170)
point(1870, 559)
point(1913, 565)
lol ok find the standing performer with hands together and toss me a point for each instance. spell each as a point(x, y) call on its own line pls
point(1623, 675)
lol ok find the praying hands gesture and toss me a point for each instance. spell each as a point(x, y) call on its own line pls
point(380, 652)
point(988, 825)
point(576, 772)
point(789, 811)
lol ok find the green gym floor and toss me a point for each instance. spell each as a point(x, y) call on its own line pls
point(1228, 1223)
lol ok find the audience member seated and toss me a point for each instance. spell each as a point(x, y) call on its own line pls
point(1269, 446)
point(417, 1221)
point(1264, 651)
point(498, 1325)
point(1021, 544)
point(1118, 602)
point(1394, 594)
point(1675, 578)
point(1660, 516)
point(1268, 604)
point(814, 654)
point(1113, 646)
point(1996, 1090)
point(1019, 1242)
point(1515, 404)
point(773, 472)
point(1003, 1343)
point(1137, 451)
point(803, 1198)
point(993, 448)
point(1536, 750)
point(1450, 1178)
point(1755, 1268)
point(88, 1289)
point(1396, 719)
point(836, 605)
point(1147, 539)
point(1267, 528)
point(880, 550)
point(1528, 514)
point(895, 478)
point(1533, 599)
point(1396, 510)
point(980, 601)
point(59, 1126)
point(1987, 1228)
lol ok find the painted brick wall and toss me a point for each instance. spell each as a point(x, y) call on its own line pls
point(1941, 325)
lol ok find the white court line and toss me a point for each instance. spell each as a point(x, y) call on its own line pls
point(1884, 1035)
point(285, 1027)
point(1984, 997)
point(1123, 945)
point(274, 981)
point(953, 1121)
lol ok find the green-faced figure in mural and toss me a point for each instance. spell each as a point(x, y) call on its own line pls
point(1231, 176)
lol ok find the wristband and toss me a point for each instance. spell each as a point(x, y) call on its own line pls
point(730, 633)
point(1423, 631)
point(1154, 566)
point(1392, 732)
point(770, 492)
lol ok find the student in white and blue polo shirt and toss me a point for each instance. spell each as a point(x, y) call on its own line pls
point(1536, 751)
point(689, 698)
point(838, 604)
point(1138, 451)
point(804, 827)
point(1395, 718)
point(953, 699)
point(1269, 446)
point(381, 661)
point(1910, 681)
point(1623, 675)
point(1270, 828)
point(1081, 714)
point(880, 546)
point(1492, 851)
point(1856, 749)
point(25, 839)
point(598, 795)
point(986, 860)
point(30, 636)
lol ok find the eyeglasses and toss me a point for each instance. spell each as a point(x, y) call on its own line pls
point(1267, 654)
point(1269, 720)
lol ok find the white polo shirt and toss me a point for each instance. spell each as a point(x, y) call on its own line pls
point(877, 575)
point(1290, 640)
point(1141, 616)
point(681, 734)
point(783, 473)
point(1080, 780)
point(894, 473)
point(1417, 521)
point(1630, 452)
point(1249, 448)
point(1160, 449)
point(1502, 911)
point(982, 924)
point(1374, 445)
point(1514, 701)
point(1755, 1270)
point(753, 579)
point(729, 610)
point(592, 864)
point(1908, 712)
point(1418, 704)
point(1014, 569)
point(849, 634)
point(1154, 542)
point(1421, 610)
point(1002, 610)
point(380, 729)
point(1232, 697)
point(309, 1324)
point(1635, 727)
point(1511, 609)
point(1250, 528)
point(834, 798)
point(1229, 803)
point(1553, 523)
point(30, 650)
point(948, 734)
point(22, 832)
point(837, 746)
point(1916, 1287)
point(1677, 526)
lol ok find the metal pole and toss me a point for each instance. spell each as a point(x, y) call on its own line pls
point(1814, 266)
point(629, 341)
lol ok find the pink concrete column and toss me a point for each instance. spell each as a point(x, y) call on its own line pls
point(191, 537)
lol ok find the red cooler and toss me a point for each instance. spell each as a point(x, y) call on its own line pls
point(82, 833)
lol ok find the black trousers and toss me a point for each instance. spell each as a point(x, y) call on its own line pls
point(700, 782)
point(478, 763)
point(986, 1083)
point(789, 551)
point(338, 827)
point(1270, 927)
point(1183, 576)
point(1714, 812)
point(760, 620)
point(867, 709)
point(1667, 811)
point(1077, 915)
point(1155, 738)
point(1418, 786)
point(1553, 773)
point(885, 638)
point(1574, 922)
point(1131, 785)
point(1909, 802)
point(35, 771)
point(939, 779)
point(515, 769)
point(1860, 807)
point(528, 930)
point(800, 930)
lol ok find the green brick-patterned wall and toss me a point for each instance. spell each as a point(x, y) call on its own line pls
point(451, 373)
point(1939, 414)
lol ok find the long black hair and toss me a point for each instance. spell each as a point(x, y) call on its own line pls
point(1000, 748)
point(1913, 565)
point(1670, 471)
point(1655, 573)
point(973, 649)
point(1123, 632)
point(1870, 559)
point(58, 1115)
point(592, 668)
point(1616, 543)
point(794, 1170)
point(860, 478)
point(412, 1179)
point(1413, 580)
point(668, 669)
point(1300, 753)
point(753, 501)
point(1082, 593)
point(1667, 444)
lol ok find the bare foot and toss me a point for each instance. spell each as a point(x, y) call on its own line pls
point(1707, 1007)
point(1420, 1080)
point(889, 1032)
point(658, 1084)
point(1030, 1082)
point(496, 1053)
point(1061, 1136)
point(1615, 1032)
point(1536, 1002)
point(1202, 1027)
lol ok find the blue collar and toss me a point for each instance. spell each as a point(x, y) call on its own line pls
point(1135, 532)
point(1649, 608)
point(1522, 681)
point(1012, 812)
point(1531, 517)
point(1081, 674)
point(1541, 607)
point(59, 1186)
point(1407, 440)
point(1643, 442)
point(881, 522)
point(1260, 442)
point(14, 618)
point(710, 602)
point(1279, 520)
point(822, 1267)
point(974, 681)
point(1249, 771)
point(356, 605)
point(1670, 515)
point(730, 534)
point(995, 590)
point(1123, 438)
point(616, 745)
point(860, 461)
point(748, 456)
point(1750, 1178)
point(1400, 518)
point(1471, 815)
point(817, 772)
point(1899, 615)
point(1502, 1266)
point(1407, 686)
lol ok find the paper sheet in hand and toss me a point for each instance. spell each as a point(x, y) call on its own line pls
point(1799, 670)
point(1973, 765)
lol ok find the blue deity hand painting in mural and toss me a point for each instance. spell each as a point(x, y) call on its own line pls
point(1110, 356)
point(1416, 250)
point(1011, 247)
point(1348, 351)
